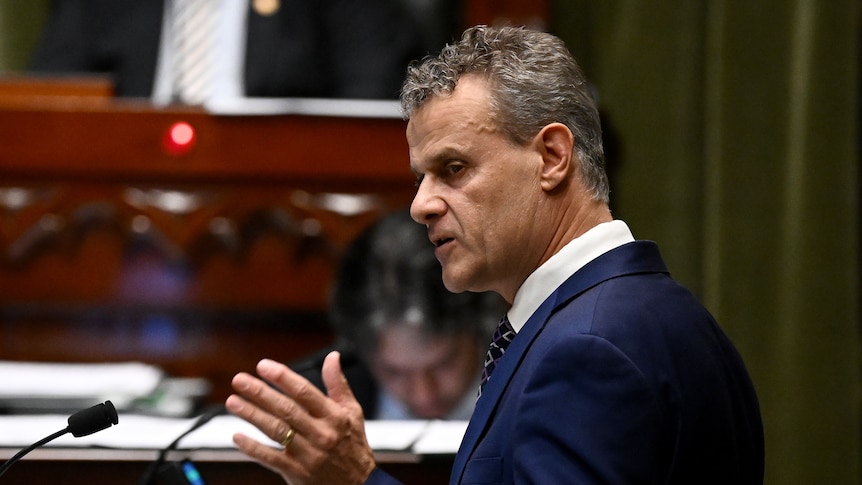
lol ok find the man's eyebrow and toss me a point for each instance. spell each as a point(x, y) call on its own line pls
point(448, 153)
point(442, 158)
point(438, 160)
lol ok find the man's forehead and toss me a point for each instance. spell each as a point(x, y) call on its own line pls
point(466, 107)
point(471, 88)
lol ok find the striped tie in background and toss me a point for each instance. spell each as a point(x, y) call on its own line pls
point(194, 27)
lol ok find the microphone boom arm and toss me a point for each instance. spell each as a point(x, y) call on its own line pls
point(82, 423)
point(30, 448)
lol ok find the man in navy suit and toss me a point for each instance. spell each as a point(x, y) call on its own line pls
point(307, 48)
point(614, 373)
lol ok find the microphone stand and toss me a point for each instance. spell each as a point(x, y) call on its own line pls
point(30, 448)
point(153, 472)
point(82, 423)
point(154, 468)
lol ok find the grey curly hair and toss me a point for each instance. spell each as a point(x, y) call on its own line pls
point(533, 81)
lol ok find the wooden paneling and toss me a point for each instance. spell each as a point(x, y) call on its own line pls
point(117, 246)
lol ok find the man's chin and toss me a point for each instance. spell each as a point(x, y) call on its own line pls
point(461, 284)
point(455, 281)
point(454, 286)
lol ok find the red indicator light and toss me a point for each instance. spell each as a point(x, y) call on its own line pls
point(180, 138)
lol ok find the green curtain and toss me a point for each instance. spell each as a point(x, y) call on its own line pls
point(737, 128)
point(20, 24)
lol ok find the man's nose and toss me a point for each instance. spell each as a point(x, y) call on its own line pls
point(427, 205)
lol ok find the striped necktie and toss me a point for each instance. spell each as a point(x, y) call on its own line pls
point(502, 338)
point(194, 27)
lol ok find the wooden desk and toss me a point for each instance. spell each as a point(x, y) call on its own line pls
point(218, 467)
point(117, 244)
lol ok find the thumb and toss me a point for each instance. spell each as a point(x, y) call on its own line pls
point(336, 384)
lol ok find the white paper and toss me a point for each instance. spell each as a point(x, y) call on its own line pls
point(34, 380)
point(351, 108)
point(151, 432)
point(382, 435)
point(441, 437)
point(218, 434)
point(393, 435)
point(131, 432)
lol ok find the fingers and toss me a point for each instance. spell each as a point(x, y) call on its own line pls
point(271, 426)
point(329, 444)
point(267, 409)
point(273, 459)
point(303, 393)
point(307, 395)
point(282, 377)
point(334, 380)
point(302, 406)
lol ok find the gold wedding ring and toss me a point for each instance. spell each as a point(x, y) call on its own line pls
point(288, 437)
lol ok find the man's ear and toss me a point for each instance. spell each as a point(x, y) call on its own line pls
point(556, 144)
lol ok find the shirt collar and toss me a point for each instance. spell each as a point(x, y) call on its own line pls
point(557, 269)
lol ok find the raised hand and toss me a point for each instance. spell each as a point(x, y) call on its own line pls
point(323, 436)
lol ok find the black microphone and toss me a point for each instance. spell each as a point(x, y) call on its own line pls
point(93, 419)
point(82, 423)
point(160, 467)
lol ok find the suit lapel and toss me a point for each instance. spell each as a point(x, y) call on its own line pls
point(495, 386)
point(636, 257)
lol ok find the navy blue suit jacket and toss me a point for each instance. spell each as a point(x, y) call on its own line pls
point(620, 377)
point(309, 48)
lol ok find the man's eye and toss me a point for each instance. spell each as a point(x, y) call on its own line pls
point(455, 168)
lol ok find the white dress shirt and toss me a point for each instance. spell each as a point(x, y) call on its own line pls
point(229, 53)
point(557, 269)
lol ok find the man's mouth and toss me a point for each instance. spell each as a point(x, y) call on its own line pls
point(440, 242)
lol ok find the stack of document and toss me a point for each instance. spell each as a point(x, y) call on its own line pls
point(36, 400)
point(43, 387)
point(153, 432)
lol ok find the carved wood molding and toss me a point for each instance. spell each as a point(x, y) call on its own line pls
point(185, 225)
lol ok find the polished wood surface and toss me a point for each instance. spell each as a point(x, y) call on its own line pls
point(71, 138)
point(217, 467)
point(25, 90)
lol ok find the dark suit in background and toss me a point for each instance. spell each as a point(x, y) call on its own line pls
point(307, 48)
